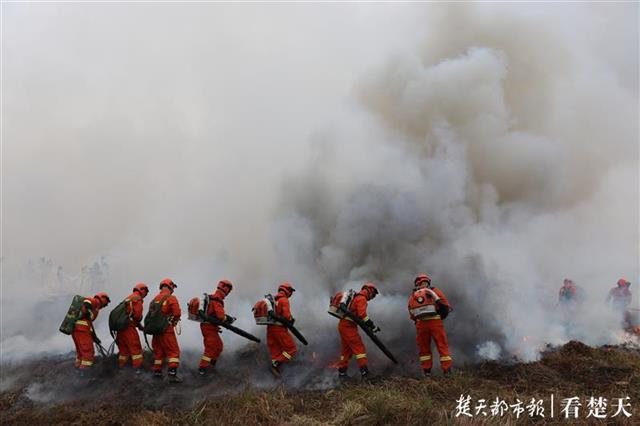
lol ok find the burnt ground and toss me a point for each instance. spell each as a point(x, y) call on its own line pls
point(47, 391)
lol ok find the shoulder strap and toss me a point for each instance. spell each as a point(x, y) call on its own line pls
point(164, 299)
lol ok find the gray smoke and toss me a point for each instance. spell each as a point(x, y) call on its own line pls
point(494, 147)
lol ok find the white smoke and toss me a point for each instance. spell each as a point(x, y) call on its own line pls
point(494, 147)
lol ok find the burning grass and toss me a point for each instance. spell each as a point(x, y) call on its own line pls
point(571, 370)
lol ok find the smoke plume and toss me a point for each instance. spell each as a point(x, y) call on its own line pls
point(492, 146)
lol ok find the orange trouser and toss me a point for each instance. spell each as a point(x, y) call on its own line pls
point(128, 342)
point(85, 353)
point(212, 344)
point(281, 344)
point(432, 329)
point(165, 346)
point(351, 344)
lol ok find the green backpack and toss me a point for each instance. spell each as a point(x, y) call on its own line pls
point(155, 322)
point(119, 317)
point(73, 314)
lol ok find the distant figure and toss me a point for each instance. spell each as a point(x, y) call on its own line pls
point(619, 299)
point(620, 296)
point(570, 294)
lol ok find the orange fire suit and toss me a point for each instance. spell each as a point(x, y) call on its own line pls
point(567, 294)
point(82, 333)
point(620, 298)
point(280, 343)
point(128, 340)
point(424, 310)
point(350, 341)
point(166, 345)
point(211, 333)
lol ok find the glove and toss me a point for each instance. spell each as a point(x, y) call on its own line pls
point(442, 309)
point(293, 320)
point(372, 326)
point(140, 327)
point(228, 319)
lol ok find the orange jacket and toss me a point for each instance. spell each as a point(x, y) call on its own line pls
point(170, 307)
point(423, 298)
point(359, 305)
point(215, 307)
point(135, 306)
point(89, 313)
point(283, 307)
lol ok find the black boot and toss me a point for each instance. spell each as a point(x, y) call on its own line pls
point(447, 373)
point(275, 369)
point(426, 372)
point(173, 375)
point(157, 374)
point(342, 372)
point(364, 372)
point(202, 371)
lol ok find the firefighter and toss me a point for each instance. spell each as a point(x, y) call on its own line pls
point(568, 293)
point(281, 345)
point(128, 340)
point(351, 344)
point(620, 296)
point(83, 333)
point(428, 306)
point(211, 333)
point(165, 345)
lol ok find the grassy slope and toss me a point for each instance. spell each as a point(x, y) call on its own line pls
point(573, 370)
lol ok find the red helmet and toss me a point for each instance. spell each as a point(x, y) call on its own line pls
point(623, 283)
point(371, 289)
point(286, 288)
point(103, 298)
point(141, 288)
point(225, 286)
point(168, 283)
point(422, 279)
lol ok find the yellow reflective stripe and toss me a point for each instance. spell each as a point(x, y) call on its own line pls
point(123, 357)
point(430, 318)
point(205, 358)
point(87, 363)
point(174, 360)
point(82, 322)
point(341, 358)
point(445, 358)
point(157, 362)
point(365, 319)
point(136, 356)
point(425, 358)
point(360, 356)
point(286, 355)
